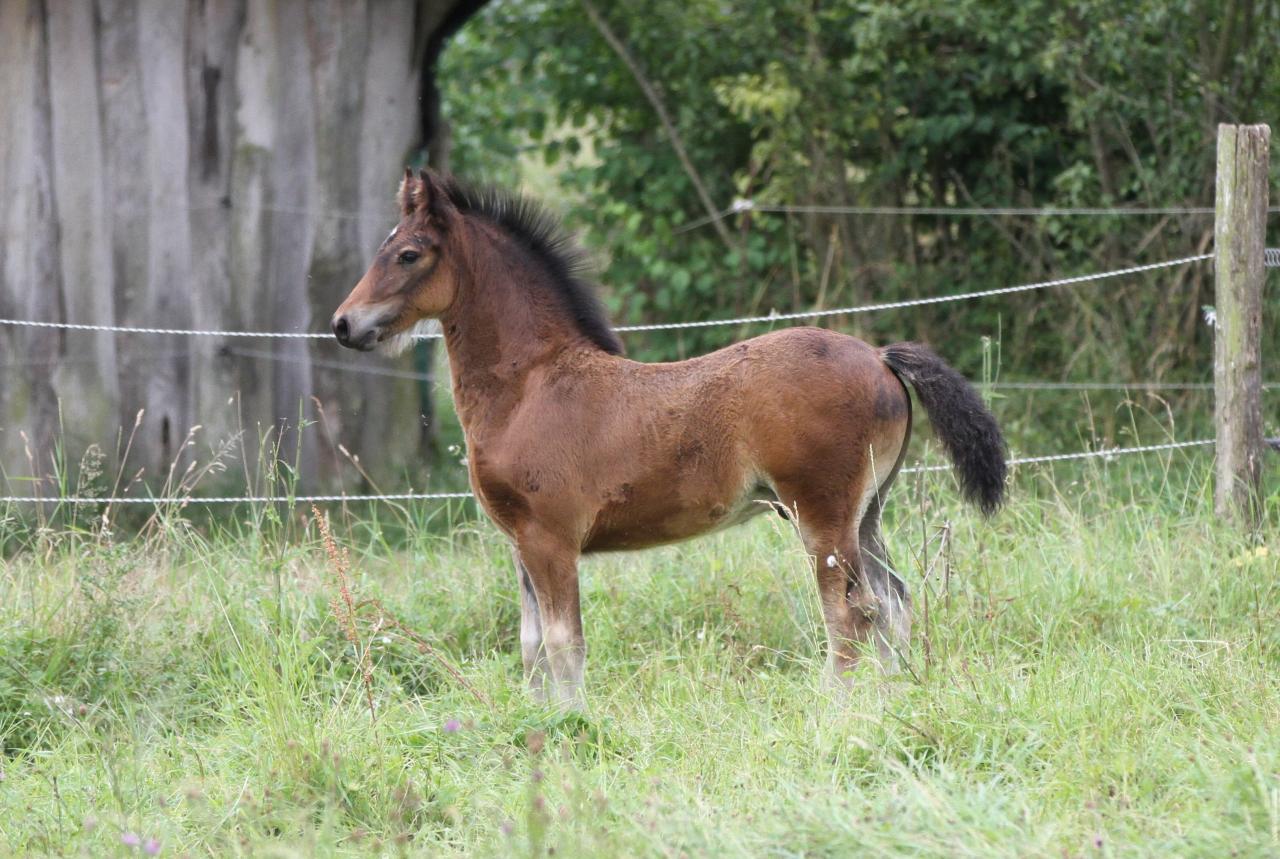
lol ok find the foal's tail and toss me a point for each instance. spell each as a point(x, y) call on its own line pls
point(968, 431)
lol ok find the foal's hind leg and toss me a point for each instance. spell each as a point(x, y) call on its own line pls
point(848, 606)
point(893, 617)
point(531, 651)
point(831, 538)
point(860, 603)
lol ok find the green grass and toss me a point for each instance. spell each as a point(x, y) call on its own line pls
point(1096, 675)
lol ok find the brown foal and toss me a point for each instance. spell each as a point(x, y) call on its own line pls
point(573, 448)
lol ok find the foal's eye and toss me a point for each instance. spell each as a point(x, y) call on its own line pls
point(408, 257)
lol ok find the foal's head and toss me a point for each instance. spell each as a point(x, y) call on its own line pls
point(411, 277)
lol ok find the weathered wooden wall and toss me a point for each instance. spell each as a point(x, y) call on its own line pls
point(217, 164)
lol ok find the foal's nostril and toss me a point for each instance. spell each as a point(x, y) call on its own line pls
point(341, 329)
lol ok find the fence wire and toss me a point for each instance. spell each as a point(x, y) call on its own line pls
point(1272, 259)
point(1104, 453)
point(917, 302)
point(1037, 385)
point(743, 206)
point(661, 326)
point(384, 216)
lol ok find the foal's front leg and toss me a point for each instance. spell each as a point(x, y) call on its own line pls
point(551, 566)
point(531, 652)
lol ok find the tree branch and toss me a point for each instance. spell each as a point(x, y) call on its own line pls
point(651, 93)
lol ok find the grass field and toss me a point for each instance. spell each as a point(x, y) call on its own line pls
point(1095, 674)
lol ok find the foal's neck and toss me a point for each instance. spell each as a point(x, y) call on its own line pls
point(505, 323)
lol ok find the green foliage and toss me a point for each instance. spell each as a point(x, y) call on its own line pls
point(969, 103)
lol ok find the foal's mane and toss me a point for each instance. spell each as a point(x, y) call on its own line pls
point(541, 233)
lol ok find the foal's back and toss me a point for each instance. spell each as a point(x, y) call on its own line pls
point(678, 449)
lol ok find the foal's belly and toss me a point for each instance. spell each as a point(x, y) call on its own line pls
point(633, 521)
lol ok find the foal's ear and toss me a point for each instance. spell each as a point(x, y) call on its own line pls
point(422, 193)
point(434, 197)
point(405, 197)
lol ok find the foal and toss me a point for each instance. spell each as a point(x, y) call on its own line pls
point(573, 448)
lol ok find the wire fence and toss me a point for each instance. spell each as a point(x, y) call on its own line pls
point(1272, 259)
point(660, 326)
point(1105, 454)
point(1037, 385)
point(918, 302)
point(738, 206)
point(746, 205)
point(184, 500)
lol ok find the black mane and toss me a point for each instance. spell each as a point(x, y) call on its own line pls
point(541, 233)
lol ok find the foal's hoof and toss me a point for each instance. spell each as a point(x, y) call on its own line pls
point(839, 681)
point(563, 697)
point(569, 700)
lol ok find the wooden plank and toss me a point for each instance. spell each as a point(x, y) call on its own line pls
point(252, 142)
point(341, 31)
point(213, 29)
point(290, 232)
point(30, 277)
point(1239, 240)
point(340, 35)
point(88, 389)
point(389, 130)
point(166, 297)
point(125, 187)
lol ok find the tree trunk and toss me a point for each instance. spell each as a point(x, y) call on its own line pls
point(223, 165)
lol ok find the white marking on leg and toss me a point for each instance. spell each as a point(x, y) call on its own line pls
point(567, 658)
point(531, 653)
point(869, 494)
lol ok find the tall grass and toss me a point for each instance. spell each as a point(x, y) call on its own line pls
point(1094, 673)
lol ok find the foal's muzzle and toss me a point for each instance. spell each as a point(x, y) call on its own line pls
point(356, 331)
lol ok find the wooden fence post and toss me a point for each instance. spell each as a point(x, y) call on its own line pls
point(1240, 222)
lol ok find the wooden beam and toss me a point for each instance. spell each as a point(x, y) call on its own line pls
point(1239, 240)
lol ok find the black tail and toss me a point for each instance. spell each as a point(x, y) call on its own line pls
point(968, 431)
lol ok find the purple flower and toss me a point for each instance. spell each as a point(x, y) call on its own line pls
point(452, 726)
point(130, 839)
point(152, 847)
